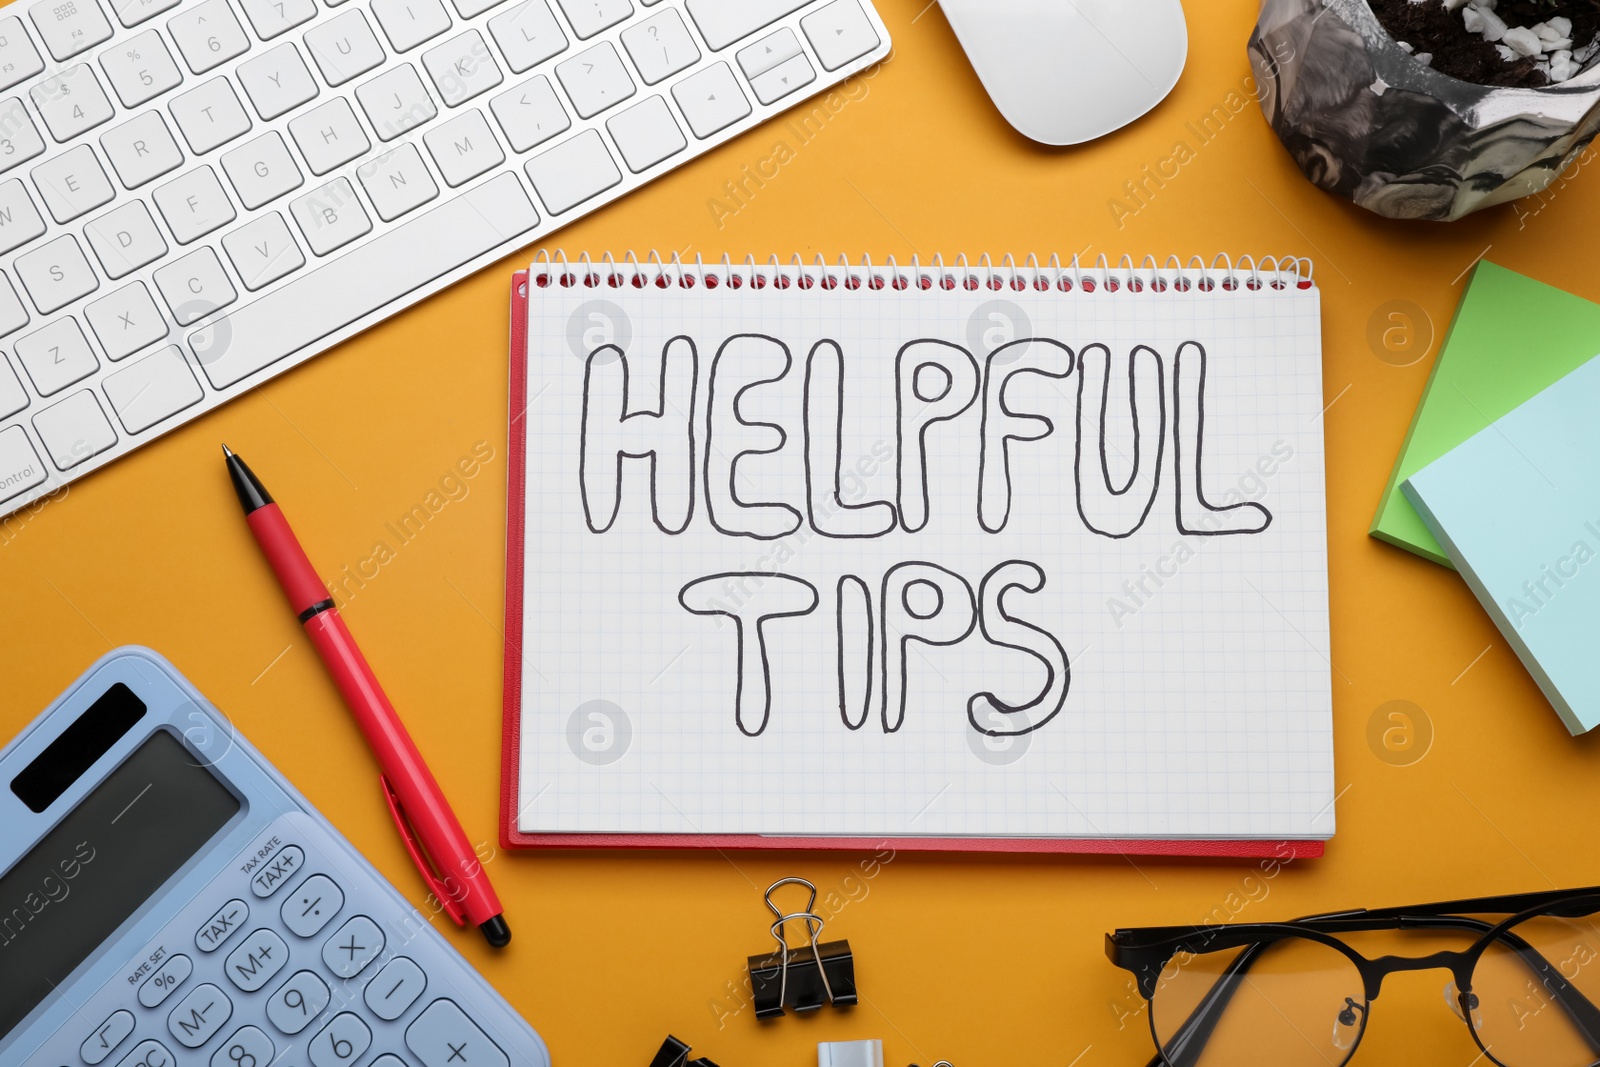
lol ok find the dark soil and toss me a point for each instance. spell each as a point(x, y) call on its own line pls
point(1428, 27)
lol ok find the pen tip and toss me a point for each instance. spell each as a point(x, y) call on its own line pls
point(226, 451)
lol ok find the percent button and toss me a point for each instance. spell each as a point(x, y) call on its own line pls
point(160, 985)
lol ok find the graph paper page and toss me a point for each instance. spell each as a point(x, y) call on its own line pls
point(925, 563)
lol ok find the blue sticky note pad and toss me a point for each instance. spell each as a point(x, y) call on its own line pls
point(1517, 507)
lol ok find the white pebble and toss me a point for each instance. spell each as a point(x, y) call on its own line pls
point(1562, 25)
point(1425, 58)
point(1405, 46)
point(1556, 45)
point(1494, 27)
point(1505, 53)
point(1523, 40)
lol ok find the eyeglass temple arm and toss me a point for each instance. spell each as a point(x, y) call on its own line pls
point(1186, 1044)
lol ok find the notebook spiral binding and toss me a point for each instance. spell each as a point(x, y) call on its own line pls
point(554, 270)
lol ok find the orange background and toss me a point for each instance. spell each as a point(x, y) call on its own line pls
point(976, 960)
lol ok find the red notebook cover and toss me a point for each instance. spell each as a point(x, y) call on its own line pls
point(511, 742)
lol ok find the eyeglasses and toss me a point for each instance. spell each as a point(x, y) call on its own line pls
point(1294, 994)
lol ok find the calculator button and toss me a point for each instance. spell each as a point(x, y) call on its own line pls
point(356, 944)
point(280, 866)
point(313, 905)
point(111, 1033)
point(248, 1047)
point(254, 962)
point(199, 1016)
point(148, 1054)
point(297, 1002)
point(221, 926)
point(341, 1041)
point(389, 1059)
point(443, 1036)
point(169, 976)
point(395, 988)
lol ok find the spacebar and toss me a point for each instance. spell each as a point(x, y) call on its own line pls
point(379, 272)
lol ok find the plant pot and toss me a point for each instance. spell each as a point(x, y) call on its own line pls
point(1366, 121)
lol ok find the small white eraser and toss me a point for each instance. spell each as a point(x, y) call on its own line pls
point(850, 1054)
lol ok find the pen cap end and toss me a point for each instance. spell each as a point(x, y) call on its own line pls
point(496, 932)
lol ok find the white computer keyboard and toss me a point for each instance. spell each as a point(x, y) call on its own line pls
point(196, 195)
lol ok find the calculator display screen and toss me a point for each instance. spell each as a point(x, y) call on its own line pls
point(101, 862)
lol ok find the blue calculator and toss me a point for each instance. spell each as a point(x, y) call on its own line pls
point(169, 900)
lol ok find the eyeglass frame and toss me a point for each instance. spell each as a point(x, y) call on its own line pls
point(1146, 951)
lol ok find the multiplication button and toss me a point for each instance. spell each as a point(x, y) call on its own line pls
point(312, 906)
point(221, 926)
point(356, 944)
point(169, 976)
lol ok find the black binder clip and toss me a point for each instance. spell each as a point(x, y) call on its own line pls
point(675, 1053)
point(801, 978)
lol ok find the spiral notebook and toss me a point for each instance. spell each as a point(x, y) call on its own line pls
point(956, 557)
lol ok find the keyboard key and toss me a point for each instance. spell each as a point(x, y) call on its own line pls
point(195, 286)
point(395, 988)
point(342, 1041)
point(209, 115)
point(527, 34)
point(106, 1037)
point(354, 945)
point(258, 957)
point(125, 239)
point(154, 388)
point(330, 217)
point(20, 464)
point(723, 22)
point(792, 74)
point(711, 100)
point(140, 68)
point(397, 182)
point(146, 1053)
point(370, 277)
point(464, 148)
point(297, 1002)
point(70, 26)
point(768, 52)
point(132, 12)
point(444, 1036)
point(19, 139)
point(261, 170)
point(126, 321)
point(20, 468)
point(329, 136)
point(572, 172)
point(13, 316)
point(344, 47)
point(177, 969)
point(595, 79)
point(221, 926)
point(263, 251)
point(20, 221)
point(275, 872)
point(270, 18)
point(18, 58)
point(141, 149)
point(248, 1047)
point(530, 114)
point(319, 898)
point(56, 356)
point(473, 8)
point(461, 68)
point(208, 35)
point(71, 102)
point(13, 398)
point(396, 101)
point(589, 17)
point(660, 46)
point(839, 32)
point(646, 134)
point(408, 23)
point(72, 183)
point(194, 204)
point(277, 82)
point(198, 1016)
point(56, 274)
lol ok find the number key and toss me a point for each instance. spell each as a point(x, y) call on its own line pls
point(71, 102)
point(312, 906)
point(342, 1041)
point(140, 68)
point(208, 35)
point(256, 960)
point(297, 1002)
point(248, 1047)
point(272, 17)
point(70, 26)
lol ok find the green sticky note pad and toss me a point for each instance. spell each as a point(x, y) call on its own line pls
point(1511, 338)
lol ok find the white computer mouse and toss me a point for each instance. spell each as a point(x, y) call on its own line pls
point(1068, 71)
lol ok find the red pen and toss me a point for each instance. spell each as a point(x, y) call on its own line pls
point(420, 810)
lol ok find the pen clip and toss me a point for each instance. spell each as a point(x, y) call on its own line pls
point(452, 906)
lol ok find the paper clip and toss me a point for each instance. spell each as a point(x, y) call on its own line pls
point(823, 973)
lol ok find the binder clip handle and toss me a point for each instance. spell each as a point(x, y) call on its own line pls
point(814, 925)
